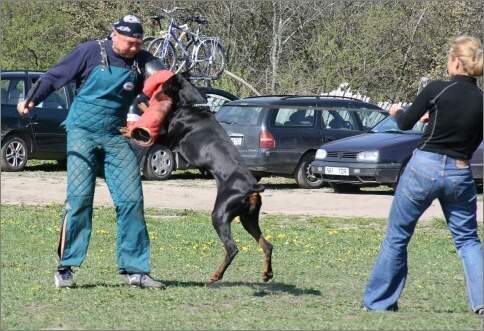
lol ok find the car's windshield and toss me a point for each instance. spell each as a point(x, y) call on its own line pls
point(390, 125)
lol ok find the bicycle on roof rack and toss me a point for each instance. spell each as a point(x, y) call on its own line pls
point(203, 57)
point(156, 21)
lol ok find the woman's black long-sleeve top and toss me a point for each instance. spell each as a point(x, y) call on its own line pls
point(455, 126)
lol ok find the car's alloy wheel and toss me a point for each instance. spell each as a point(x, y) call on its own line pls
point(159, 163)
point(303, 175)
point(14, 154)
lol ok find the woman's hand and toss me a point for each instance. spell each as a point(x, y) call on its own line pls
point(394, 109)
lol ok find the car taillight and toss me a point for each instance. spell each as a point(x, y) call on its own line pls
point(266, 140)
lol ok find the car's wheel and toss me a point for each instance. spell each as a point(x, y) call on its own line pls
point(14, 154)
point(159, 163)
point(303, 175)
point(344, 187)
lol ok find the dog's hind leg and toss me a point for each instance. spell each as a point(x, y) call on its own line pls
point(221, 222)
point(250, 222)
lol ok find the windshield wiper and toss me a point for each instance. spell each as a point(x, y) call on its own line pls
point(394, 131)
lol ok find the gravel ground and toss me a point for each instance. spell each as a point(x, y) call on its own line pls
point(187, 190)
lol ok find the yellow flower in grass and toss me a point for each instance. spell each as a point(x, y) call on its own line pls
point(57, 228)
point(102, 231)
point(245, 248)
point(195, 247)
point(333, 231)
point(268, 237)
point(237, 219)
point(281, 235)
point(162, 248)
point(152, 235)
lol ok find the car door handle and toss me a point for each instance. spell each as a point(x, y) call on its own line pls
point(35, 119)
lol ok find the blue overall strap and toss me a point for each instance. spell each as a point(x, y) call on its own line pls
point(104, 55)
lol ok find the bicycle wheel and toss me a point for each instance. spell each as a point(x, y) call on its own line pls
point(146, 42)
point(166, 52)
point(210, 59)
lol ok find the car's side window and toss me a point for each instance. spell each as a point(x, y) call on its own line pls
point(13, 91)
point(339, 119)
point(294, 117)
point(56, 99)
point(216, 101)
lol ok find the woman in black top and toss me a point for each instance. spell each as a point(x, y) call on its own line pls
point(439, 169)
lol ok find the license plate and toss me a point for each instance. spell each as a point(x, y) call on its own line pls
point(237, 141)
point(336, 171)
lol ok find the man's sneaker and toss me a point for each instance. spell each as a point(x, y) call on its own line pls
point(143, 280)
point(63, 278)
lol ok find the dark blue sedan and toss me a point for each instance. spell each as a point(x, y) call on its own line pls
point(374, 158)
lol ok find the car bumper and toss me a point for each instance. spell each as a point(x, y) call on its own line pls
point(357, 173)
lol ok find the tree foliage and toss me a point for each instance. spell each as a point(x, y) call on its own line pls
point(381, 49)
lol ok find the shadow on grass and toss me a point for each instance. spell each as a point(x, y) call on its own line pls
point(263, 289)
point(260, 289)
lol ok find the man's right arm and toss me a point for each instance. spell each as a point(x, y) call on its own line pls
point(72, 66)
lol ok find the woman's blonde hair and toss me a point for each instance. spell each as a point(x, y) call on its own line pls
point(469, 51)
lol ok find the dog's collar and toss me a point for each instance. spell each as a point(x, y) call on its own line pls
point(194, 105)
point(191, 105)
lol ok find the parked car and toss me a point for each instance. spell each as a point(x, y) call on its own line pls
point(39, 136)
point(279, 135)
point(374, 158)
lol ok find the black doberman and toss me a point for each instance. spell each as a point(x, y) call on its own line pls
point(202, 141)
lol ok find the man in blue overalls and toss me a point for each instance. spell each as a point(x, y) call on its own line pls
point(109, 74)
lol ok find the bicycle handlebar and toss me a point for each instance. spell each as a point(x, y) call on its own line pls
point(171, 12)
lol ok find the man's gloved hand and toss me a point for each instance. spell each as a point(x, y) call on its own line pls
point(126, 131)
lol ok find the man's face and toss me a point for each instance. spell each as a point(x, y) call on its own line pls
point(126, 47)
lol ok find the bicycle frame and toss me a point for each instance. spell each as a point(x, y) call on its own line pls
point(202, 56)
point(170, 34)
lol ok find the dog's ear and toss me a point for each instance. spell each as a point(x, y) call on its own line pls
point(185, 74)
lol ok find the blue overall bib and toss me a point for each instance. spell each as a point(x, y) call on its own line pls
point(93, 139)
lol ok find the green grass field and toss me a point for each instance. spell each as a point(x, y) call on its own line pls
point(321, 266)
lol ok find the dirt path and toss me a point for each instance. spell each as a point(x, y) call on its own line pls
point(192, 192)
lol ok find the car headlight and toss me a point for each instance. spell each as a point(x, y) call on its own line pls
point(320, 154)
point(367, 156)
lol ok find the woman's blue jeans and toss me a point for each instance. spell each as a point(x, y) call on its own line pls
point(428, 176)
